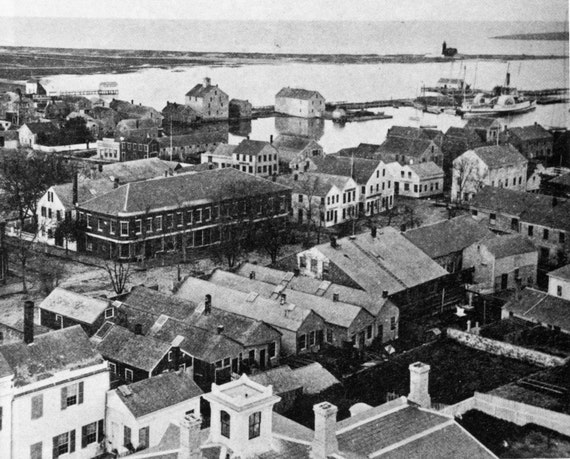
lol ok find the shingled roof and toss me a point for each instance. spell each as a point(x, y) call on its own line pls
point(508, 245)
point(298, 93)
point(86, 190)
point(427, 170)
point(57, 351)
point(359, 169)
point(313, 183)
point(528, 133)
point(159, 392)
point(388, 261)
point(540, 307)
point(201, 90)
point(43, 128)
point(251, 147)
point(180, 190)
point(363, 150)
point(291, 142)
point(76, 306)
point(403, 146)
point(448, 236)
point(496, 156)
point(529, 207)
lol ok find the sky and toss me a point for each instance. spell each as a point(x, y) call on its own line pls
point(353, 10)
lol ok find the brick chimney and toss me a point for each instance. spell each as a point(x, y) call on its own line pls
point(325, 442)
point(419, 384)
point(208, 305)
point(28, 322)
point(207, 82)
point(190, 438)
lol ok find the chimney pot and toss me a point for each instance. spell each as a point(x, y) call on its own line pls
point(325, 443)
point(208, 304)
point(296, 272)
point(190, 437)
point(28, 322)
point(333, 242)
point(384, 293)
point(373, 231)
point(252, 275)
point(419, 384)
point(138, 329)
point(220, 329)
point(335, 297)
point(100, 167)
point(283, 298)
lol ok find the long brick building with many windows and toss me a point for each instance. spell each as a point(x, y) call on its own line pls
point(182, 212)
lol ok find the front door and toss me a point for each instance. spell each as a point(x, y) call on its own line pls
point(396, 188)
point(262, 359)
point(300, 215)
point(504, 281)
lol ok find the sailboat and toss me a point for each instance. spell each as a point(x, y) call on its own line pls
point(505, 101)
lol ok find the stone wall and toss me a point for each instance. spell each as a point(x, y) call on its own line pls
point(505, 349)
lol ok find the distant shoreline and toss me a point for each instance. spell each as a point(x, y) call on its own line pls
point(20, 63)
point(547, 36)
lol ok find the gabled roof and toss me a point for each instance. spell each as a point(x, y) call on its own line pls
point(427, 170)
point(371, 303)
point(312, 378)
point(201, 90)
point(76, 306)
point(342, 314)
point(38, 128)
point(448, 236)
point(136, 170)
point(252, 147)
point(458, 140)
point(197, 137)
point(178, 108)
point(563, 180)
point(496, 156)
point(51, 353)
point(537, 306)
point(363, 150)
point(482, 122)
point(413, 132)
point(403, 146)
point(561, 273)
point(224, 149)
point(407, 431)
point(532, 132)
point(181, 190)
point(247, 331)
point(502, 246)
point(314, 184)
point(86, 188)
point(529, 207)
point(159, 392)
point(251, 305)
point(388, 261)
point(139, 351)
point(361, 170)
point(298, 93)
point(132, 110)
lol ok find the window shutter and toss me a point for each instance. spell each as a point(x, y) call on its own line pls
point(83, 436)
point(80, 395)
point(100, 431)
point(55, 448)
point(63, 398)
point(72, 441)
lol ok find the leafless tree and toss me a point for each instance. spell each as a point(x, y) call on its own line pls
point(119, 274)
point(467, 176)
point(311, 206)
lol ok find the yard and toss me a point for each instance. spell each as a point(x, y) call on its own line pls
point(509, 440)
point(456, 372)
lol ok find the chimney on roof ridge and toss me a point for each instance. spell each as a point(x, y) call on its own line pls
point(220, 329)
point(384, 293)
point(419, 384)
point(190, 437)
point(207, 82)
point(252, 274)
point(282, 298)
point(373, 231)
point(325, 443)
point(335, 297)
point(28, 322)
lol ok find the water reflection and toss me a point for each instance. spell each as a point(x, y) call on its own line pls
point(313, 128)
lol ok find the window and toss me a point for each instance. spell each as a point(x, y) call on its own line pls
point(64, 443)
point(144, 434)
point(43, 211)
point(128, 375)
point(314, 265)
point(207, 214)
point(124, 228)
point(545, 234)
point(138, 226)
point(415, 188)
point(559, 290)
point(148, 227)
point(109, 313)
point(302, 261)
point(127, 436)
point(37, 406)
point(474, 212)
point(254, 424)
point(329, 335)
point(302, 342)
point(169, 221)
point(198, 215)
point(369, 332)
point(113, 368)
point(312, 338)
point(225, 424)
point(406, 186)
point(561, 237)
point(113, 228)
point(88, 434)
point(530, 230)
point(272, 350)
point(36, 451)
point(71, 395)
point(158, 223)
point(89, 221)
point(392, 323)
point(170, 356)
